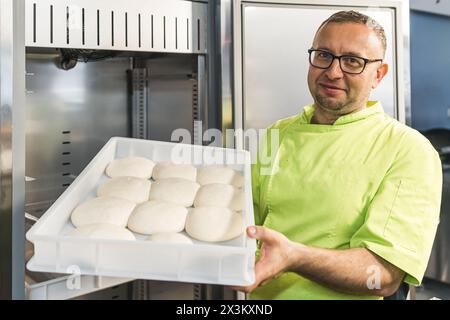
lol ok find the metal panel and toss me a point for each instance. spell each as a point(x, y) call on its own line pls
point(170, 99)
point(226, 67)
point(164, 290)
point(139, 103)
point(139, 25)
point(441, 7)
point(200, 105)
point(12, 149)
point(271, 83)
point(70, 115)
point(75, 21)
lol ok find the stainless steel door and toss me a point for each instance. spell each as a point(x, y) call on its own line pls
point(69, 116)
point(12, 148)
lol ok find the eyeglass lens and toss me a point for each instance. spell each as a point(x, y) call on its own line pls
point(349, 64)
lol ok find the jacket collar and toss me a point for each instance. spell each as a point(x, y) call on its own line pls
point(373, 107)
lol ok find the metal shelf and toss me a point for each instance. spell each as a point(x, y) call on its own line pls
point(139, 25)
point(70, 286)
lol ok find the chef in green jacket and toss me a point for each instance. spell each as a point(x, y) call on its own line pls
point(349, 207)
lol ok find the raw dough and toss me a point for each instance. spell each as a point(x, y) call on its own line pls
point(103, 210)
point(129, 188)
point(157, 217)
point(130, 167)
point(238, 180)
point(102, 231)
point(214, 224)
point(171, 237)
point(174, 190)
point(219, 174)
point(220, 195)
point(165, 170)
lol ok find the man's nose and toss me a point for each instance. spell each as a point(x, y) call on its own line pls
point(334, 71)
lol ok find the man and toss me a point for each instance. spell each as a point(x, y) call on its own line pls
point(351, 205)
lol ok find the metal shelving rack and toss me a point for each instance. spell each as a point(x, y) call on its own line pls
point(158, 26)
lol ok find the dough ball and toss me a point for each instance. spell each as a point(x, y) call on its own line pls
point(157, 217)
point(131, 167)
point(214, 224)
point(130, 188)
point(103, 210)
point(102, 231)
point(171, 237)
point(238, 180)
point(174, 190)
point(219, 174)
point(165, 170)
point(220, 195)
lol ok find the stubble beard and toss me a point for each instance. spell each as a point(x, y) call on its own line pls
point(335, 107)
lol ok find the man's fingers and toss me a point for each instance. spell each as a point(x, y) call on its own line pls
point(262, 272)
point(246, 289)
point(261, 275)
point(260, 233)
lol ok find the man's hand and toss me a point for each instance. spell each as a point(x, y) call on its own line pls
point(276, 255)
point(345, 270)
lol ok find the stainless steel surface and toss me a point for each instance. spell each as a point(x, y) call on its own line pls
point(171, 83)
point(164, 290)
point(226, 61)
point(200, 102)
point(403, 63)
point(271, 42)
point(441, 7)
point(117, 292)
point(212, 63)
point(139, 103)
point(69, 116)
point(138, 25)
point(12, 149)
point(91, 101)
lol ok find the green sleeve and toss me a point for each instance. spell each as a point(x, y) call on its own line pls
point(402, 218)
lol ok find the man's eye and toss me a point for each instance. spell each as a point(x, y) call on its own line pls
point(323, 55)
point(353, 61)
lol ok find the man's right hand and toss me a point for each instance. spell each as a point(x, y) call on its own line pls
point(276, 256)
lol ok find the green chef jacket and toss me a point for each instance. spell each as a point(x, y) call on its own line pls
point(366, 181)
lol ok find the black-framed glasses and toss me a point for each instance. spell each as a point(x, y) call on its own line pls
point(323, 59)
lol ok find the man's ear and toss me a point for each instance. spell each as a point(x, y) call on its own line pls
point(381, 72)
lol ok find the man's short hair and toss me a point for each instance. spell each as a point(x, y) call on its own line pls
point(360, 18)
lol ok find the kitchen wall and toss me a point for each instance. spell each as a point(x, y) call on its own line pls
point(430, 70)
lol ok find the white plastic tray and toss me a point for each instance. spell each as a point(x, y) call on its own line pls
point(63, 287)
point(226, 263)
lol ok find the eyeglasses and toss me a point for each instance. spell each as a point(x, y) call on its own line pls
point(349, 64)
